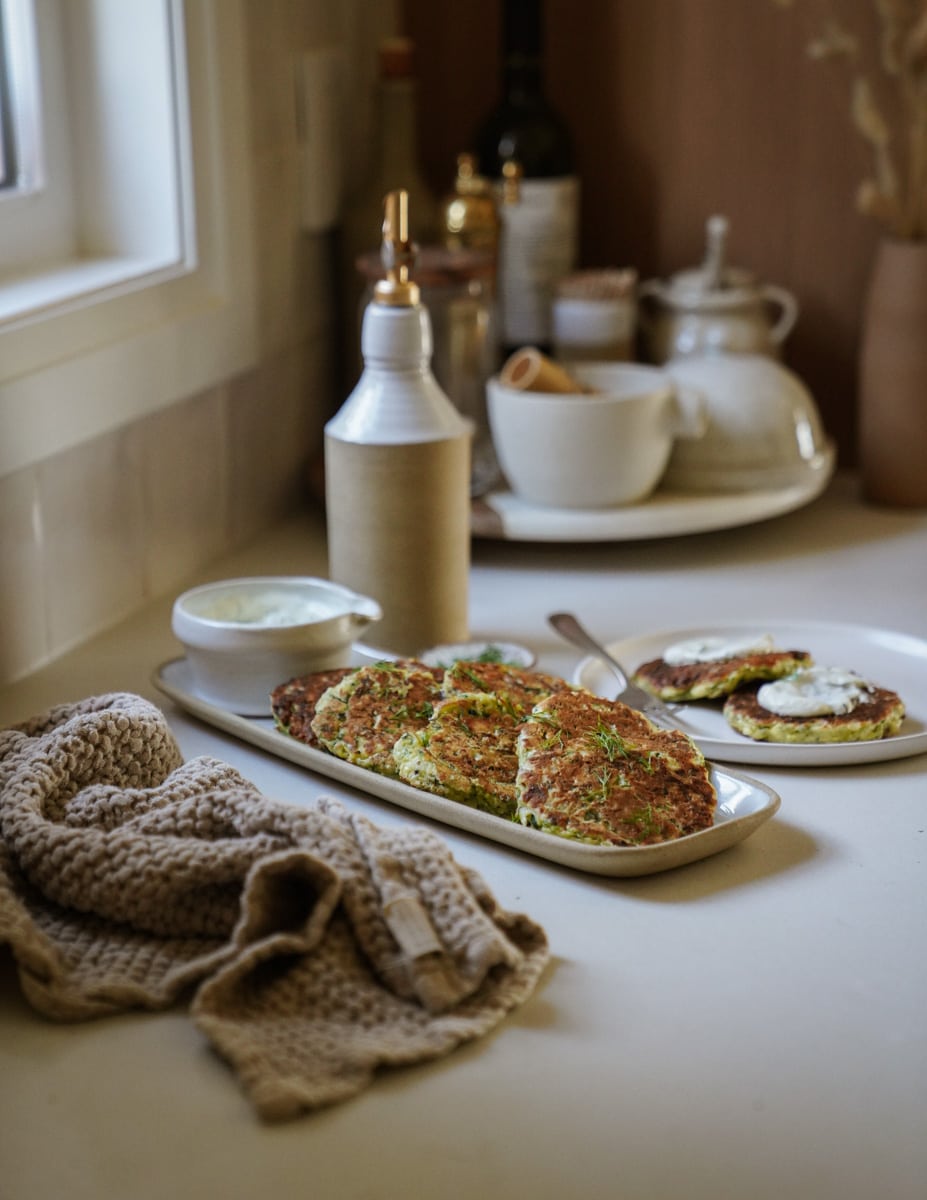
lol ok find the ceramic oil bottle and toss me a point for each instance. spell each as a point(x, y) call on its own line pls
point(397, 468)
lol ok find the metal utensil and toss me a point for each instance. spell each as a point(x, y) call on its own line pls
point(629, 693)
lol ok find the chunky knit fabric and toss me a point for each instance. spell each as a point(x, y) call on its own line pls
point(311, 945)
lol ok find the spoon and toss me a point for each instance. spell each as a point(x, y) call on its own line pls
point(629, 693)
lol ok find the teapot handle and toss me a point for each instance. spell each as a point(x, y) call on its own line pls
point(787, 317)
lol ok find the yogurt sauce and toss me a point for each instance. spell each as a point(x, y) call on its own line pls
point(716, 649)
point(814, 692)
point(267, 611)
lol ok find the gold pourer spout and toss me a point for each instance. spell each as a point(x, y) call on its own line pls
point(397, 253)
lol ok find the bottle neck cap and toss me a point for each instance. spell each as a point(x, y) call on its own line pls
point(522, 31)
point(522, 50)
point(397, 254)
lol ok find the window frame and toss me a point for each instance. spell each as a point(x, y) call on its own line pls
point(128, 346)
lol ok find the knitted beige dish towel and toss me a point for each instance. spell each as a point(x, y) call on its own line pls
point(313, 946)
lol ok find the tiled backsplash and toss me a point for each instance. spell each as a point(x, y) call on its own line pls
point(92, 533)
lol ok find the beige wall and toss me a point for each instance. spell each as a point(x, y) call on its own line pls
point(92, 533)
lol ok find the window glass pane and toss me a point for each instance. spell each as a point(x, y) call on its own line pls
point(7, 170)
point(20, 126)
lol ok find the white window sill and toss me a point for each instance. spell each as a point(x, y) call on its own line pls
point(58, 287)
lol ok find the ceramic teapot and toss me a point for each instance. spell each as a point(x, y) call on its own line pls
point(714, 309)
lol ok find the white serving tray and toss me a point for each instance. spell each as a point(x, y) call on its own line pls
point(743, 803)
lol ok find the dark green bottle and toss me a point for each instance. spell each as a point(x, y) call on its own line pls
point(539, 241)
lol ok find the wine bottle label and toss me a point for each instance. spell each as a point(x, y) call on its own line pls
point(538, 245)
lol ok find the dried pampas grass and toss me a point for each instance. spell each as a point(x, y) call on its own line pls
point(888, 106)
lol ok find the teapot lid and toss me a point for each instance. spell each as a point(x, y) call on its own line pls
point(714, 282)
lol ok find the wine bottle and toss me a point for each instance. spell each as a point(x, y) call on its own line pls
point(539, 239)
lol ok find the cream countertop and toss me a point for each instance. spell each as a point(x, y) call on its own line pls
point(751, 1025)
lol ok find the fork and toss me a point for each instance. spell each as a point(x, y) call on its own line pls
point(629, 693)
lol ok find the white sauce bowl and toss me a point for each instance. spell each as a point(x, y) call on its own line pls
point(243, 637)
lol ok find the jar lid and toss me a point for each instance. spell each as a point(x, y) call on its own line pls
point(607, 283)
point(689, 289)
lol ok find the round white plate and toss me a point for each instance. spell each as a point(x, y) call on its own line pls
point(664, 514)
point(896, 661)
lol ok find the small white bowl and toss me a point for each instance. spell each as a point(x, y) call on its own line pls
point(243, 637)
point(498, 652)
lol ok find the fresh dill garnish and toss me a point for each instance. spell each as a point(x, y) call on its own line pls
point(508, 706)
point(613, 745)
point(604, 777)
point(473, 677)
point(609, 741)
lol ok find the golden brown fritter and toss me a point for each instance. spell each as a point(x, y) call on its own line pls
point(878, 716)
point(711, 680)
point(293, 703)
point(521, 687)
point(599, 771)
point(466, 752)
point(363, 716)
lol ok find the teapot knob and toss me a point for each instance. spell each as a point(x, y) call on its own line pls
point(716, 231)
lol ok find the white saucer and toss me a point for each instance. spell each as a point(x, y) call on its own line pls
point(510, 653)
point(504, 516)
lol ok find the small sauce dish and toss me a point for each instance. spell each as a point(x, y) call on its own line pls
point(245, 636)
point(492, 652)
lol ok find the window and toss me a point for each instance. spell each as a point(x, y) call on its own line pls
point(125, 278)
point(20, 134)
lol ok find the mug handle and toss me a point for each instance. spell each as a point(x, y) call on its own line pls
point(787, 317)
point(690, 417)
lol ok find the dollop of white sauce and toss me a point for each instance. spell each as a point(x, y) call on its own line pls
point(271, 611)
point(716, 649)
point(814, 692)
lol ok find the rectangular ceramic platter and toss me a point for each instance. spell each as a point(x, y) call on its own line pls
point(743, 803)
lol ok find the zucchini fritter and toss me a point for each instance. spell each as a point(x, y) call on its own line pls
point(599, 771)
point(521, 687)
point(293, 703)
point(711, 680)
point(466, 752)
point(363, 716)
point(879, 715)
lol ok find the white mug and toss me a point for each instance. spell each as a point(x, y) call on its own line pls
point(593, 450)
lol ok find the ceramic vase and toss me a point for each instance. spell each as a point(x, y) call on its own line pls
point(893, 377)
